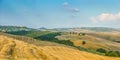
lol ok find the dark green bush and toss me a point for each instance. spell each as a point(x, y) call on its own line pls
point(113, 53)
point(101, 50)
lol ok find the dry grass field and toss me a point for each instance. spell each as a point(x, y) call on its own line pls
point(12, 49)
point(94, 40)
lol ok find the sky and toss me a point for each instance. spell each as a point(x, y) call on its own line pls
point(60, 13)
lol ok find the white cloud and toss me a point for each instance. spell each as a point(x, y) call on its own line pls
point(75, 9)
point(69, 8)
point(106, 17)
point(65, 4)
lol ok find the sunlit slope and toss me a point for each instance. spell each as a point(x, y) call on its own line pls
point(111, 36)
point(94, 40)
point(11, 49)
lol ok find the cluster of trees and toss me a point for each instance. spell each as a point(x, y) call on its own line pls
point(109, 53)
point(76, 33)
point(113, 53)
point(51, 37)
point(22, 32)
point(100, 51)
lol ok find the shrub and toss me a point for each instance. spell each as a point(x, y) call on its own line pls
point(113, 53)
point(101, 50)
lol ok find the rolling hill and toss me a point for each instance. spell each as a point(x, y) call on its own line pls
point(14, 28)
point(92, 42)
point(102, 42)
point(13, 49)
point(100, 29)
point(108, 41)
point(86, 29)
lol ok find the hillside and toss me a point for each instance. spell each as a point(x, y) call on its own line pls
point(107, 41)
point(14, 28)
point(86, 29)
point(113, 36)
point(12, 49)
point(100, 29)
point(92, 43)
point(82, 29)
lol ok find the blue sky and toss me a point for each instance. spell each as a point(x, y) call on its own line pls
point(60, 13)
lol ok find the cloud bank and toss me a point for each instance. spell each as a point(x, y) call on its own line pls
point(106, 17)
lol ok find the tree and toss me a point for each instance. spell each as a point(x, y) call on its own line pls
point(83, 42)
point(83, 34)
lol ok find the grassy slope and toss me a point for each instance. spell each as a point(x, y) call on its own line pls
point(31, 40)
point(113, 36)
point(12, 49)
point(92, 41)
point(100, 29)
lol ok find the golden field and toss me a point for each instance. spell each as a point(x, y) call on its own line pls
point(94, 40)
point(12, 49)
